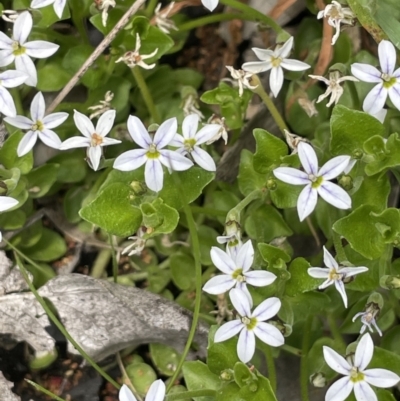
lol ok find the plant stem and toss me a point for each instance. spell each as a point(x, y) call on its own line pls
point(270, 366)
point(337, 243)
point(257, 15)
point(337, 336)
point(385, 259)
point(52, 316)
point(100, 263)
point(144, 90)
point(210, 19)
point(114, 258)
point(191, 394)
point(291, 350)
point(196, 254)
point(303, 363)
point(17, 101)
point(150, 8)
point(209, 211)
point(43, 390)
point(234, 214)
point(259, 90)
point(126, 377)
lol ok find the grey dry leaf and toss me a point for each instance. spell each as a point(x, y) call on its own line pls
point(5, 390)
point(101, 316)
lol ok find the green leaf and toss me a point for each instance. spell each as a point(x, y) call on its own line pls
point(350, 129)
point(165, 358)
point(73, 167)
point(52, 78)
point(72, 203)
point(228, 392)
point(273, 255)
point(390, 340)
point(207, 239)
point(160, 217)
point(112, 211)
point(41, 272)
point(182, 270)
point(285, 195)
point(243, 375)
point(198, 377)
point(158, 279)
point(387, 16)
point(363, 230)
point(269, 151)
point(309, 303)
point(300, 281)
point(256, 227)
point(382, 157)
point(248, 178)
point(51, 246)
point(9, 157)
point(142, 376)
point(258, 391)
point(41, 179)
point(385, 359)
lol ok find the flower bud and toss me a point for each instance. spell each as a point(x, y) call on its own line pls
point(152, 128)
point(390, 282)
point(138, 187)
point(271, 184)
point(357, 154)
point(226, 375)
point(376, 300)
point(346, 182)
point(318, 380)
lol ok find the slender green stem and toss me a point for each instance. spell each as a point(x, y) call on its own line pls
point(208, 211)
point(100, 263)
point(144, 90)
point(291, 350)
point(303, 363)
point(127, 380)
point(234, 214)
point(258, 16)
point(211, 19)
point(384, 260)
point(196, 254)
point(259, 90)
point(333, 327)
point(43, 390)
point(79, 23)
point(52, 316)
point(337, 243)
point(187, 395)
point(114, 258)
point(271, 367)
point(150, 8)
point(17, 101)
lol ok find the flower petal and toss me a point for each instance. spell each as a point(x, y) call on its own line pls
point(340, 287)
point(294, 65)
point(364, 392)
point(352, 271)
point(306, 202)
point(336, 361)
point(285, 50)
point(75, 142)
point(7, 106)
point(263, 54)
point(12, 78)
point(240, 302)
point(54, 120)
point(165, 133)
point(329, 260)
point(22, 27)
point(84, 124)
point(267, 309)
point(334, 167)
point(291, 175)
point(19, 122)
point(203, 159)
point(381, 377)
point(269, 334)
point(308, 158)
point(105, 123)
point(50, 138)
point(138, 132)
point(130, 160)
point(110, 141)
point(210, 4)
point(125, 394)
point(208, 132)
point(260, 278)
point(387, 56)
point(41, 3)
point(222, 260)
point(5, 42)
point(6, 202)
point(245, 256)
point(366, 73)
point(95, 153)
point(394, 94)
point(40, 49)
point(219, 284)
point(364, 352)
point(375, 100)
point(178, 141)
point(59, 7)
point(228, 330)
point(156, 391)
point(27, 143)
point(340, 390)
point(189, 126)
point(6, 56)
point(276, 80)
point(246, 345)
point(25, 64)
point(154, 175)
point(318, 272)
point(37, 107)
point(256, 67)
point(174, 161)
point(334, 195)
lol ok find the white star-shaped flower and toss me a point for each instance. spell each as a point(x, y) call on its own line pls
point(223, 129)
point(388, 81)
point(134, 58)
point(236, 268)
point(9, 79)
point(189, 142)
point(275, 60)
point(93, 138)
point(334, 274)
point(251, 324)
point(18, 50)
point(38, 126)
point(58, 5)
point(357, 378)
point(210, 4)
point(368, 318)
point(156, 392)
point(242, 77)
point(161, 17)
point(152, 153)
point(337, 15)
point(316, 180)
point(6, 203)
point(334, 89)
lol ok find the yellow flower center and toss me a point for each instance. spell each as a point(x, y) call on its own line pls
point(249, 322)
point(388, 81)
point(97, 140)
point(316, 181)
point(38, 126)
point(153, 153)
point(18, 50)
point(335, 275)
point(189, 144)
point(238, 276)
point(276, 61)
point(356, 375)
